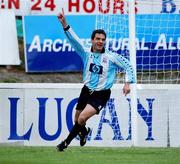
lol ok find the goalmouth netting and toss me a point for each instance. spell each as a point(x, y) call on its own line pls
point(157, 31)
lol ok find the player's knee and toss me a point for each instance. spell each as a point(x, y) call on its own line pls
point(81, 120)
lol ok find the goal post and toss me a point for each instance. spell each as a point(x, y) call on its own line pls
point(132, 54)
point(146, 32)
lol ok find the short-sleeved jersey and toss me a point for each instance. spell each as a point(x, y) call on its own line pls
point(99, 72)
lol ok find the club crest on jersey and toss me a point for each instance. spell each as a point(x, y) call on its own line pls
point(98, 69)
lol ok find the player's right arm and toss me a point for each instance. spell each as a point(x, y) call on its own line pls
point(72, 37)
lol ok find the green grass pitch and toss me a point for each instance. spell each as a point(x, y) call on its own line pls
point(88, 155)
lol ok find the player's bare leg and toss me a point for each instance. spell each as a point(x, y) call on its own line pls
point(87, 113)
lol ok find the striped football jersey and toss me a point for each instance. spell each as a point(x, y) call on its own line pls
point(100, 69)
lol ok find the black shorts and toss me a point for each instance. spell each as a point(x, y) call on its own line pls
point(97, 99)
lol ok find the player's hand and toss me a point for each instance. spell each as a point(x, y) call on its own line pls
point(62, 19)
point(126, 89)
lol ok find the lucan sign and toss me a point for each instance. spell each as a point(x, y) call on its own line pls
point(110, 111)
point(43, 115)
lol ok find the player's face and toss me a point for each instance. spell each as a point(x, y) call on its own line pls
point(98, 42)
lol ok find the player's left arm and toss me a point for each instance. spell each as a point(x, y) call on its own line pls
point(122, 62)
point(126, 88)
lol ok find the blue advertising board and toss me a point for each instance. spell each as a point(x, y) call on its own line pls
point(48, 50)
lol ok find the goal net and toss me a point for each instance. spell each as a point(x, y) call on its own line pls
point(157, 37)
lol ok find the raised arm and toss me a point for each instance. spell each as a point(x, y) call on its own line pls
point(62, 19)
point(71, 35)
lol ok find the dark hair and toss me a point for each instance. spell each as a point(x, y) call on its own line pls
point(98, 31)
